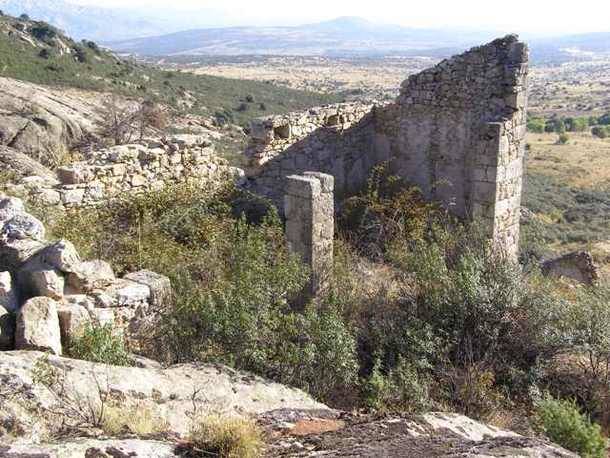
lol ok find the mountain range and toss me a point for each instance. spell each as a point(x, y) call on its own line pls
point(205, 32)
point(106, 24)
point(342, 36)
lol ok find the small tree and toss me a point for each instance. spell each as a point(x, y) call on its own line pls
point(24, 17)
point(150, 116)
point(116, 122)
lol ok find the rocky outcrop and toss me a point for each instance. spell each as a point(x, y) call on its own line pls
point(54, 294)
point(429, 435)
point(43, 122)
point(93, 448)
point(23, 165)
point(174, 395)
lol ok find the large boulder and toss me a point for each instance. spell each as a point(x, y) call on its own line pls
point(61, 255)
point(36, 278)
point(159, 285)
point(73, 319)
point(89, 276)
point(38, 326)
point(23, 226)
point(578, 266)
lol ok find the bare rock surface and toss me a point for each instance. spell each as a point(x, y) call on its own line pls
point(578, 266)
point(92, 448)
point(175, 394)
point(38, 120)
point(429, 435)
point(23, 165)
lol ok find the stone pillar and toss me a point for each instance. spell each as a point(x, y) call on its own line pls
point(309, 210)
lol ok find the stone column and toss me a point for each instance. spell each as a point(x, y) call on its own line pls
point(309, 210)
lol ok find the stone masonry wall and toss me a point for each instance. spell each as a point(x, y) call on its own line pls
point(456, 131)
point(336, 139)
point(138, 167)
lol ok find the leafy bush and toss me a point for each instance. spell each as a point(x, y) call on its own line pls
point(601, 131)
point(388, 213)
point(401, 389)
point(225, 438)
point(563, 423)
point(99, 344)
point(536, 125)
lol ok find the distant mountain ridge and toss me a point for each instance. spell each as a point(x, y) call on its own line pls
point(79, 21)
point(106, 24)
point(341, 36)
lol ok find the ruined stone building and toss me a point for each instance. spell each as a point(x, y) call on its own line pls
point(456, 131)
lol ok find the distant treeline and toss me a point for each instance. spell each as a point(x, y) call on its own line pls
point(599, 126)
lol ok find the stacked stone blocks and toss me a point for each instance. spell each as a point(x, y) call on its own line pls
point(134, 168)
point(309, 210)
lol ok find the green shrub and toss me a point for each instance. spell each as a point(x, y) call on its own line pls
point(386, 215)
point(536, 125)
point(401, 389)
point(563, 139)
point(563, 423)
point(601, 131)
point(100, 345)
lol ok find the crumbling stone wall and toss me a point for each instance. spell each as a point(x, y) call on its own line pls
point(133, 168)
point(456, 131)
point(309, 210)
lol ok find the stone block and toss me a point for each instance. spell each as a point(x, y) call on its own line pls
point(37, 326)
point(90, 275)
point(73, 320)
point(37, 278)
point(159, 285)
point(123, 293)
point(23, 226)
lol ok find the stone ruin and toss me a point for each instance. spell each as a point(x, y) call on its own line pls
point(578, 266)
point(48, 294)
point(141, 166)
point(456, 131)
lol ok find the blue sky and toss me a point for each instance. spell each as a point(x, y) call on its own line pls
point(534, 17)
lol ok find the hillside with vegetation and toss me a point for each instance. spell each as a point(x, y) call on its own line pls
point(40, 53)
point(426, 334)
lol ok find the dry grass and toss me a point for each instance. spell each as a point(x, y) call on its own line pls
point(226, 437)
point(138, 419)
point(584, 162)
